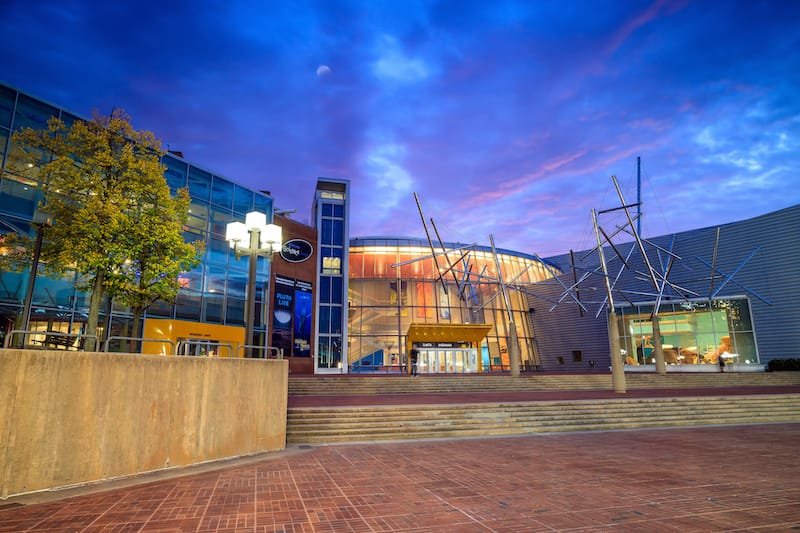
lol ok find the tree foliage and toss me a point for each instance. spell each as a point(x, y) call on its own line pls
point(115, 221)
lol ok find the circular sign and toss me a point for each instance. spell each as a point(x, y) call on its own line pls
point(296, 250)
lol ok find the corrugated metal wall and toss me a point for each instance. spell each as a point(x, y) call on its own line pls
point(769, 279)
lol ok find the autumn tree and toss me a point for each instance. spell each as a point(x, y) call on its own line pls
point(115, 221)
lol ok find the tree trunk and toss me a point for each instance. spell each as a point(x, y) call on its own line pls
point(137, 326)
point(95, 299)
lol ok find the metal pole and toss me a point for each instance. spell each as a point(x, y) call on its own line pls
point(617, 370)
point(26, 308)
point(638, 195)
point(513, 339)
point(250, 313)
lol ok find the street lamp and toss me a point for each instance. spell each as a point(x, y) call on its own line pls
point(265, 239)
point(40, 220)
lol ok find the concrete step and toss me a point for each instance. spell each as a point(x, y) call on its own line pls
point(358, 424)
point(375, 385)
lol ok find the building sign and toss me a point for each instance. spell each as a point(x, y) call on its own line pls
point(283, 309)
point(303, 311)
point(293, 309)
point(296, 250)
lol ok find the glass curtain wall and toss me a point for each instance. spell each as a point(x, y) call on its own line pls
point(695, 332)
point(213, 292)
point(385, 300)
point(332, 234)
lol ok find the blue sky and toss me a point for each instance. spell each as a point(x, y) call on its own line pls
point(504, 117)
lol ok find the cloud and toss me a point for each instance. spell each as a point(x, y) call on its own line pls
point(394, 65)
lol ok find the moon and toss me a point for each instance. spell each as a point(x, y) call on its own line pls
point(323, 70)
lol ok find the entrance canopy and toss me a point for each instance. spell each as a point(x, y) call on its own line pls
point(474, 333)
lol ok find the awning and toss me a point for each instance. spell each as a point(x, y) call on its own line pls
point(474, 333)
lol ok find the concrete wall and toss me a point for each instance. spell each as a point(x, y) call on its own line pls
point(74, 417)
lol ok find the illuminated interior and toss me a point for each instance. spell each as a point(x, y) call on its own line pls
point(394, 283)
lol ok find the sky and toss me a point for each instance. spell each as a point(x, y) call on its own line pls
point(505, 118)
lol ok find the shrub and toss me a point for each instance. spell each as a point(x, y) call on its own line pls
point(783, 364)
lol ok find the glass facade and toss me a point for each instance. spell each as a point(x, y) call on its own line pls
point(331, 209)
point(694, 332)
point(394, 283)
point(213, 292)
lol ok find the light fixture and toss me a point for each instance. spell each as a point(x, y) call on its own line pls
point(254, 237)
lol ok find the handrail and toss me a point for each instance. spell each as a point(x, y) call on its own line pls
point(51, 335)
point(183, 344)
point(141, 340)
point(277, 351)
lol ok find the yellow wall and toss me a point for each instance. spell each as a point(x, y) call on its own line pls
point(76, 417)
point(174, 330)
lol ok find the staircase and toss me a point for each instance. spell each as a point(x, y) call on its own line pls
point(306, 425)
point(373, 423)
point(401, 384)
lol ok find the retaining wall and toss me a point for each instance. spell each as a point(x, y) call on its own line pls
point(68, 418)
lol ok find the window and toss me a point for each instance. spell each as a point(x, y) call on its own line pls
point(331, 265)
point(199, 184)
point(242, 200)
point(33, 114)
point(7, 97)
point(175, 173)
point(222, 192)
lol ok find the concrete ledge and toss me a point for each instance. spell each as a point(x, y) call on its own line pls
point(77, 417)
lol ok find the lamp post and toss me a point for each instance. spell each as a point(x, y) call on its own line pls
point(41, 220)
point(264, 239)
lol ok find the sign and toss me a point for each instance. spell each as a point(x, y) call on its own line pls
point(296, 250)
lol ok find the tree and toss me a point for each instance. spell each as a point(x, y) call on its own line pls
point(158, 253)
point(115, 221)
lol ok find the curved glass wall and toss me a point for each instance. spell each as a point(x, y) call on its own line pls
point(394, 282)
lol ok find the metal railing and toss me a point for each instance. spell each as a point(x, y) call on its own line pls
point(183, 347)
point(140, 341)
point(76, 342)
point(263, 351)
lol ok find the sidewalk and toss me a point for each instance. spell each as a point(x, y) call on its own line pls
point(688, 479)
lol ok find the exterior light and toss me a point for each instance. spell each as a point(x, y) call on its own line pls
point(254, 237)
point(235, 233)
point(271, 237)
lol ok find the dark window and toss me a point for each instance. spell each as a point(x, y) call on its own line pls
point(187, 306)
point(212, 307)
point(577, 356)
point(243, 200)
point(175, 173)
point(336, 290)
point(336, 320)
point(222, 192)
point(235, 312)
point(199, 184)
point(33, 113)
point(324, 289)
point(7, 97)
point(327, 230)
point(338, 233)
point(262, 203)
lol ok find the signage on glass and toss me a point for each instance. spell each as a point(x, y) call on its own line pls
point(296, 250)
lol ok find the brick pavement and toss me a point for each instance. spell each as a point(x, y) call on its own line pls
point(719, 478)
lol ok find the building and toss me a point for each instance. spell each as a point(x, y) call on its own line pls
point(208, 316)
point(746, 312)
point(332, 304)
point(455, 322)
